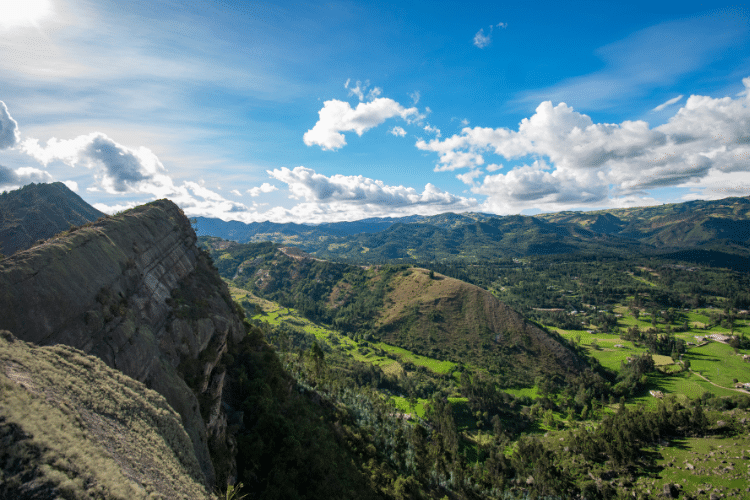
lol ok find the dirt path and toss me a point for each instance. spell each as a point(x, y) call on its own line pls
point(717, 385)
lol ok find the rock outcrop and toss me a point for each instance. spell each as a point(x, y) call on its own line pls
point(136, 292)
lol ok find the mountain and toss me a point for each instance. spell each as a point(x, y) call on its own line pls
point(72, 427)
point(427, 313)
point(134, 291)
point(287, 232)
point(39, 211)
point(700, 231)
point(192, 397)
point(671, 225)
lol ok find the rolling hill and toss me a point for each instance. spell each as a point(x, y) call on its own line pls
point(427, 313)
point(684, 230)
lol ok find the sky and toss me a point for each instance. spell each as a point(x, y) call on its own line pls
point(315, 112)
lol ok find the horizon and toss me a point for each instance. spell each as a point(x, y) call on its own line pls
point(346, 111)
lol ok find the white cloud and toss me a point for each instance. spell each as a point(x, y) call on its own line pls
point(481, 40)
point(9, 135)
point(338, 116)
point(21, 176)
point(235, 192)
point(117, 169)
point(415, 96)
point(337, 192)
point(575, 161)
point(399, 131)
point(668, 103)
point(470, 176)
point(263, 188)
point(72, 185)
point(433, 130)
point(23, 13)
point(113, 209)
point(358, 90)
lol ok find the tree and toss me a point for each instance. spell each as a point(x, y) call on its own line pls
point(318, 357)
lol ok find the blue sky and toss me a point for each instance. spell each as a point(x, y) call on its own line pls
point(345, 110)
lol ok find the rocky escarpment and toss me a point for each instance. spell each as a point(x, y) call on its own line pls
point(136, 292)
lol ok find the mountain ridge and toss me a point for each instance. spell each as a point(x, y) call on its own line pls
point(450, 237)
point(109, 290)
point(39, 211)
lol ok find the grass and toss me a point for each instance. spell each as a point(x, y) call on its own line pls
point(530, 392)
point(718, 363)
point(97, 432)
point(275, 315)
point(696, 463)
point(402, 404)
point(432, 364)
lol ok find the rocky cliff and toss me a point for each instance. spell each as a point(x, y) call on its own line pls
point(135, 291)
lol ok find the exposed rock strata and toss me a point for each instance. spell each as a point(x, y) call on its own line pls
point(107, 290)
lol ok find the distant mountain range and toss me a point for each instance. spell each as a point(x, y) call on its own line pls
point(707, 230)
point(39, 211)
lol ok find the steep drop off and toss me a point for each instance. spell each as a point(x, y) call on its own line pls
point(135, 291)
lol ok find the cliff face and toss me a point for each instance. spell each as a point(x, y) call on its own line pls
point(136, 292)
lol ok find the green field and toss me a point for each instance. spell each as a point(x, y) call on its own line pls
point(718, 363)
point(434, 365)
point(402, 404)
point(706, 464)
point(374, 353)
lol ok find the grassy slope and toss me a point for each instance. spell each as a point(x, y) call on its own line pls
point(74, 427)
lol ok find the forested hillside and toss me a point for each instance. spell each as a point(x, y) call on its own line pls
point(712, 232)
point(610, 426)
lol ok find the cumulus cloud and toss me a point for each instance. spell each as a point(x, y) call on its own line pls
point(263, 188)
point(23, 175)
point(574, 161)
point(340, 191)
point(338, 116)
point(668, 103)
point(9, 135)
point(399, 131)
point(415, 96)
point(117, 169)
